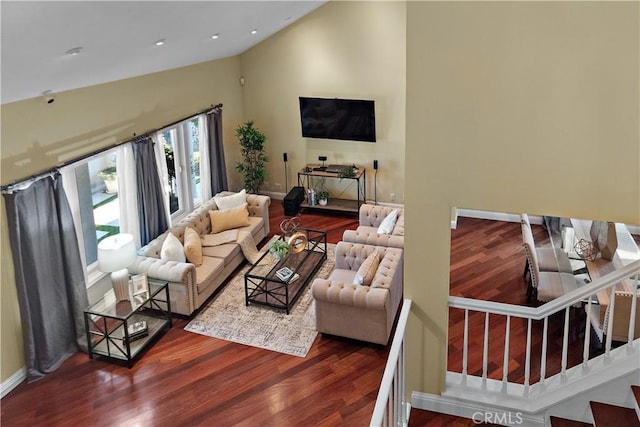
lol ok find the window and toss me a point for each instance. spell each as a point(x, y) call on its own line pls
point(181, 144)
point(92, 190)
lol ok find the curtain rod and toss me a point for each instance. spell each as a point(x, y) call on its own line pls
point(49, 171)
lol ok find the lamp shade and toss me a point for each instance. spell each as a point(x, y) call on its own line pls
point(116, 252)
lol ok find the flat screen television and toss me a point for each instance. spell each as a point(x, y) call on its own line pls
point(332, 118)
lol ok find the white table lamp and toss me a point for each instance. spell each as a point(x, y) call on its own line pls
point(115, 254)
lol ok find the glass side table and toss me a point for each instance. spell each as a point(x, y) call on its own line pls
point(122, 330)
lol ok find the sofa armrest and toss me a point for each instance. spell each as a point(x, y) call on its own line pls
point(162, 269)
point(258, 205)
point(349, 294)
point(369, 236)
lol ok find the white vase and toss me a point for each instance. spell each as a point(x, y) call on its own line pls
point(322, 202)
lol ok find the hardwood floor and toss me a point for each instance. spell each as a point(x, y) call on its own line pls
point(190, 379)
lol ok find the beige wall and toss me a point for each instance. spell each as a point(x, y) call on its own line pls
point(341, 50)
point(38, 136)
point(512, 107)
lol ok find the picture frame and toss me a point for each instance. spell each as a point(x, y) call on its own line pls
point(139, 287)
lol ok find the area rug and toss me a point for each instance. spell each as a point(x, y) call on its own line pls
point(228, 318)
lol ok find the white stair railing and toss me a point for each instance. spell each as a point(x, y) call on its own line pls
point(565, 303)
point(391, 407)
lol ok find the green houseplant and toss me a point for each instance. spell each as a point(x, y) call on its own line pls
point(323, 197)
point(110, 179)
point(254, 158)
point(348, 172)
point(279, 248)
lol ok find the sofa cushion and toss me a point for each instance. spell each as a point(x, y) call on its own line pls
point(192, 246)
point(231, 201)
point(172, 249)
point(229, 219)
point(387, 224)
point(342, 276)
point(207, 271)
point(255, 224)
point(367, 270)
point(225, 252)
point(398, 229)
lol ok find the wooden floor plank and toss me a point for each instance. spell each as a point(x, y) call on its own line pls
point(191, 379)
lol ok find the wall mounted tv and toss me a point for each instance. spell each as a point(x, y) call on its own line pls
point(332, 118)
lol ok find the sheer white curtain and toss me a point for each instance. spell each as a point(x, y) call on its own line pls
point(163, 172)
point(71, 189)
point(127, 192)
point(205, 166)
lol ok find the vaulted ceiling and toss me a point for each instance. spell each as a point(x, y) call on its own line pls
point(61, 45)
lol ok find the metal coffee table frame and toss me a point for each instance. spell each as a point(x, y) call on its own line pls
point(267, 289)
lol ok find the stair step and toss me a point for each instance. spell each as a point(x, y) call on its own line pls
point(605, 415)
point(563, 422)
point(636, 393)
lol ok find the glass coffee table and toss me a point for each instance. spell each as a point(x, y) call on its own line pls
point(121, 330)
point(263, 286)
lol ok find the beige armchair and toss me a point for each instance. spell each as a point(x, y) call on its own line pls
point(365, 313)
point(369, 219)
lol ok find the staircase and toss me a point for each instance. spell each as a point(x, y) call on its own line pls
point(607, 415)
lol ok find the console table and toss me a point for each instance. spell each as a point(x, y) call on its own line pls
point(309, 176)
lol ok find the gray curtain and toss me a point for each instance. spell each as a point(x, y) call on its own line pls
point(49, 275)
point(151, 207)
point(216, 152)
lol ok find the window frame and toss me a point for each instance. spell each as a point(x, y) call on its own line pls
point(187, 201)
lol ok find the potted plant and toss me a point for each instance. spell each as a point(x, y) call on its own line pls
point(279, 248)
point(323, 197)
point(254, 158)
point(348, 172)
point(110, 179)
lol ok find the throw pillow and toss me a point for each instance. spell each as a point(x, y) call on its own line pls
point(387, 224)
point(231, 201)
point(367, 271)
point(192, 246)
point(172, 249)
point(228, 219)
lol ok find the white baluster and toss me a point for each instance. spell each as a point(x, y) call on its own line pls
point(565, 345)
point(587, 336)
point(609, 316)
point(632, 316)
point(485, 350)
point(527, 363)
point(543, 356)
point(465, 346)
point(505, 362)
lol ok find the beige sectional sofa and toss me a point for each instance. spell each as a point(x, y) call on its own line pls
point(190, 286)
point(370, 218)
point(360, 312)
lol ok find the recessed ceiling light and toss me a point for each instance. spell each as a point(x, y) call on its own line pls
point(160, 42)
point(254, 31)
point(74, 51)
point(215, 36)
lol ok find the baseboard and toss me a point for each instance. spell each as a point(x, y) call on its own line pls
point(12, 382)
point(280, 196)
point(495, 216)
point(275, 195)
point(476, 412)
point(634, 229)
